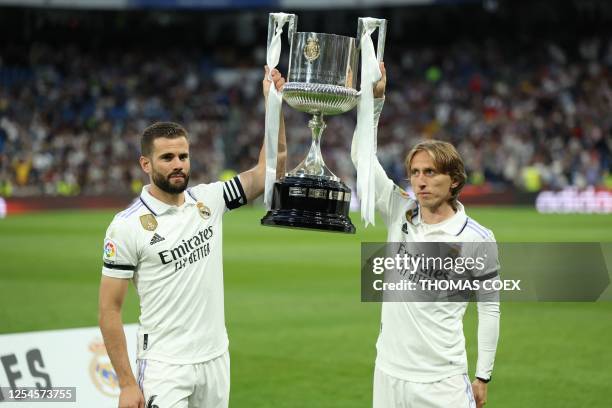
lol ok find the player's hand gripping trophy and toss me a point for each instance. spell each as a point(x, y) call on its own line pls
point(321, 80)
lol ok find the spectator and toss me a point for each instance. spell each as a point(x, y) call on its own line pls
point(70, 119)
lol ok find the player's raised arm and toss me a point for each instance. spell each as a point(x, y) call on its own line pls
point(112, 294)
point(253, 180)
point(383, 185)
point(379, 100)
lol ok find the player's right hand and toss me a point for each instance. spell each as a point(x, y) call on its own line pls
point(277, 79)
point(131, 397)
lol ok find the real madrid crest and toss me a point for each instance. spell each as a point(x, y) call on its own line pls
point(148, 222)
point(203, 210)
point(454, 251)
point(409, 215)
point(312, 49)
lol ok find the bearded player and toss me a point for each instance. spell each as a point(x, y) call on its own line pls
point(169, 243)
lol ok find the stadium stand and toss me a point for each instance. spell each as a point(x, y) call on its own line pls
point(529, 114)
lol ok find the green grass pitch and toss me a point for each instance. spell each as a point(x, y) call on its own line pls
point(299, 335)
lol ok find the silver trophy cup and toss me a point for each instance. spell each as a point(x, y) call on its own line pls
point(322, 80)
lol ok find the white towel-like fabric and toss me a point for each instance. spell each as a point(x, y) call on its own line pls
point(273, 109)
point(365, 137)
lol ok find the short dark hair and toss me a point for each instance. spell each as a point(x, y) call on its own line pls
point(168, 130)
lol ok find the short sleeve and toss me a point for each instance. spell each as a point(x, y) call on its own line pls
point(220, 196)
point(119, 253)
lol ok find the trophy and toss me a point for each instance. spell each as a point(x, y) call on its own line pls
point(321, 80)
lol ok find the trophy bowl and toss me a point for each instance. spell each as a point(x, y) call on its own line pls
point(322, 74)
point(319, 98)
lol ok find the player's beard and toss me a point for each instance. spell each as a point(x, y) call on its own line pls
point(163, 183)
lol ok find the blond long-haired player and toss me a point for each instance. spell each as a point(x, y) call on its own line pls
point(421, 359)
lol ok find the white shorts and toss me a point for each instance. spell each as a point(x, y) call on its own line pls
point(203, 385)
point(391, 392)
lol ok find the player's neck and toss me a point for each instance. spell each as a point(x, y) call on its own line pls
point(436, 215)
point(165, 197)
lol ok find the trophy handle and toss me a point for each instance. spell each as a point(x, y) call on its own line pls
point(382, 35)
point(273, 17)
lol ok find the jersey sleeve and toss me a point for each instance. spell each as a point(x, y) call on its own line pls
point(119, 254)
point(486, 251)
point(488, 337)
point(220, 195)
point(488, 306)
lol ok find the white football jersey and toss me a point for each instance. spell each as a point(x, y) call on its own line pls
point(174, 256)
point(424, 341)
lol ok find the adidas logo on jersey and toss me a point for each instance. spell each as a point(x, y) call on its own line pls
point(156, 238)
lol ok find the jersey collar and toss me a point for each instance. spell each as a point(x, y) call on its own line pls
point(452, 226)
point(158, 207)
point(190, 198)
point(458, 221)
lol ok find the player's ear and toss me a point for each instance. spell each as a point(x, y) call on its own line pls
point(145, 163)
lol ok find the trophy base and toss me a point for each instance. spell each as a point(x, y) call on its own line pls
point(310, 203)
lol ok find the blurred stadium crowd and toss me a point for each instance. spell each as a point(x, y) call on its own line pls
point(70, 119)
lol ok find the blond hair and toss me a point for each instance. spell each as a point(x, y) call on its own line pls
point(446, 161)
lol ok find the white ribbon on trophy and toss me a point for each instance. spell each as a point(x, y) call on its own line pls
point(273, 108)
point(365, 137)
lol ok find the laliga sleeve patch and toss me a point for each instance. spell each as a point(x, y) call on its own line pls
point(110, 250)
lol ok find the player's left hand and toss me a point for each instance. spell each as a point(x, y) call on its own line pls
point(379, 87)
point(480, 392)
point(277, 78)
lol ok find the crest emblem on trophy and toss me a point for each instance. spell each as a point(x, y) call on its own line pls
point(312, 49)
point(321, 81)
